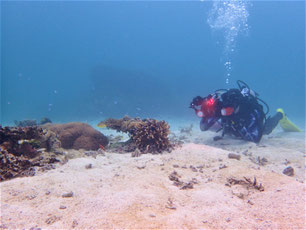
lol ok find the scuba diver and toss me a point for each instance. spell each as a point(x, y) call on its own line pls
point(238, 112)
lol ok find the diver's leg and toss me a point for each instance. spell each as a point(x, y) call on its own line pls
point(253, 131)
point(202, 124)
point(272, 122)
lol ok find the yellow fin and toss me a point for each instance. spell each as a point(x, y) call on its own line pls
point(286, 124)
point(101, 125)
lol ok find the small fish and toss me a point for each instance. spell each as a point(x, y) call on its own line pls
point(101, 125)
point(102, 147)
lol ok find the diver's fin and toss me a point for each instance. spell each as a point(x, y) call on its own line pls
point(286, 124)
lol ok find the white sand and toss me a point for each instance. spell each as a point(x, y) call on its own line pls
point(124, 192)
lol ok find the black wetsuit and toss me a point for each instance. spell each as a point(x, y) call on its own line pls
point(247, 121)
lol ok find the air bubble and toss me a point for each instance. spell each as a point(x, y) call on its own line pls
point(230, 17)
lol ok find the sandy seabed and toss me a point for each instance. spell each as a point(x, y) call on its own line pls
point(122, 192)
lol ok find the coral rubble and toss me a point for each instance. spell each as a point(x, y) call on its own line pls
point(147, 135)
point(21, 148)
point(175, 177)
point(289, 171)
point(20, 140)
point(247, 182)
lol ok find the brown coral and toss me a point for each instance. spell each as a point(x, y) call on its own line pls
point(148, 135)
point(78, 135)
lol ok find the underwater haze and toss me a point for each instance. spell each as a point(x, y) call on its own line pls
point(79, 60)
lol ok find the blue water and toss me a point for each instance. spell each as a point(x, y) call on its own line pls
point(77, 61)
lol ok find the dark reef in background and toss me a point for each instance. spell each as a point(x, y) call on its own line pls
point(28, 123)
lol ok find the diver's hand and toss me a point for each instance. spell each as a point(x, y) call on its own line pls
point(217, 138)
